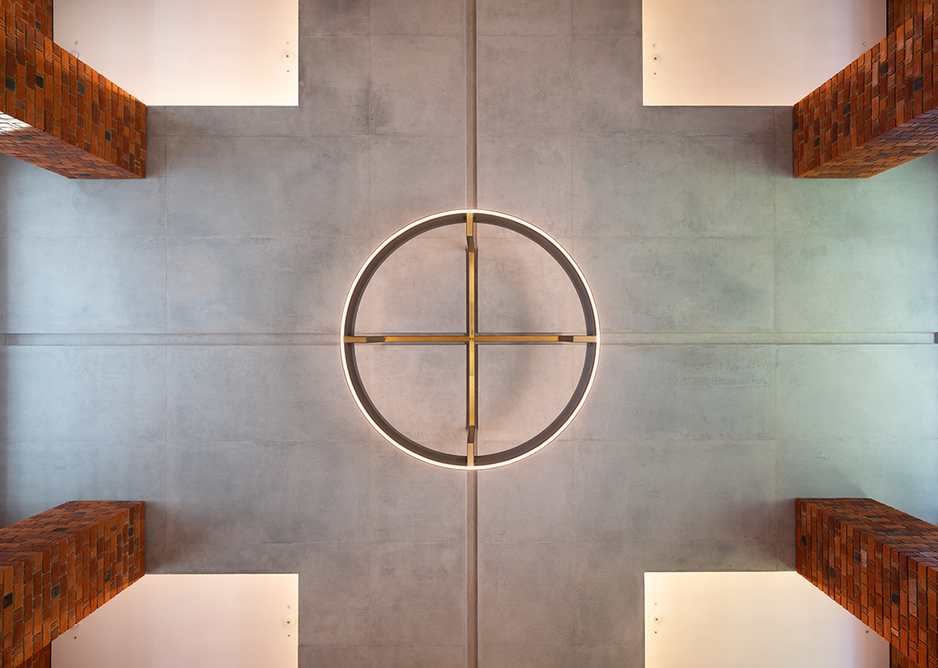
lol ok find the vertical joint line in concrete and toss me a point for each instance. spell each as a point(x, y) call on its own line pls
point(472, 477)
point(472, 140)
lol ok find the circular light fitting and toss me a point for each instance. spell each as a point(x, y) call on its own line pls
point(588, 337)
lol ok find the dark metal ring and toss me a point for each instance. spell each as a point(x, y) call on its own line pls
point(349, 340)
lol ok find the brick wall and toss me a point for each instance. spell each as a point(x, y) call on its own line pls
point(37, 13)
point(59, 114)
point(879, 111)
point(880, 564)
point(900, 11)
point(58, 567)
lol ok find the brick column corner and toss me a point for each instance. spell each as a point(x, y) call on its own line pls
point(59, 566)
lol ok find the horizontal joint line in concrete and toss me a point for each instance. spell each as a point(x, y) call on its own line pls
point(607, 338)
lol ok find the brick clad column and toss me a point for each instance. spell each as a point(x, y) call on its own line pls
point(881, 565)
point(57, 113)
point(900, 11)
point(58, 567)
point(878, 112)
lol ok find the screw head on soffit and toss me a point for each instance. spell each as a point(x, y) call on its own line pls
point(590, 338)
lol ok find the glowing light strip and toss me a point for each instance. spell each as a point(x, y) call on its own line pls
point(471, 213)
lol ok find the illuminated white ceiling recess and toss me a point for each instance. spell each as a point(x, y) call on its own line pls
point(744, 53)
point(188, 52)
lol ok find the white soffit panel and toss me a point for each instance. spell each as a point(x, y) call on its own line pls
point(189, 621)
point(740, 52)
point(188, 52)
point(740, 620)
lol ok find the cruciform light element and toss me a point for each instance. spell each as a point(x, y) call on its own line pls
point(471, 339)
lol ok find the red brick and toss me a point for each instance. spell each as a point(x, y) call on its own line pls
point(61, 547)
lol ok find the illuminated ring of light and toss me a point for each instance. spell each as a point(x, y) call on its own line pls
point(448, 460)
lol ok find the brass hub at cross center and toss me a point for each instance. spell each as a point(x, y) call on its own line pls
point(590, 338)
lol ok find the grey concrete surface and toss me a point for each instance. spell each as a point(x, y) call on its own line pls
point(524, 86)
point(175, 339)
point(541, 17)
point(418, 85)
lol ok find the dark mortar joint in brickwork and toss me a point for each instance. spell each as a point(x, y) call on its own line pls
point(8, 600)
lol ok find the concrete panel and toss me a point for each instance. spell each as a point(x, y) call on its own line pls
point(524, 86)
point(267, 187)
point(334, 88)
point(229, 121)
point(525, 656)
point(834, 392)
point(688, 392)
point(334, 17)
point(420, 288)
point(607, 100)
point(334, 594)
point(418, 85)
point(529, 178)
point(335, 656)
point(418, 656)
point(899, 472)
point(610, 591)
point(402, 17)
point(286, 492)
point(541, 17)
point(895, 204)
point(103, 284)
point(68, 394)
point(39, 203)
point(858, 284)
point(655, 285)
point(609, 656)
point(523, 289)
point(522, 389)
point(676, 491)
point(531, 501)
point(674, 186)
point(607, 17)
point(413, 501)
point(733, 122)
point(418, 594)
point(261, 394)
point(421, 390)
point(526, 594)
point(255, 285)
point(413, 177)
